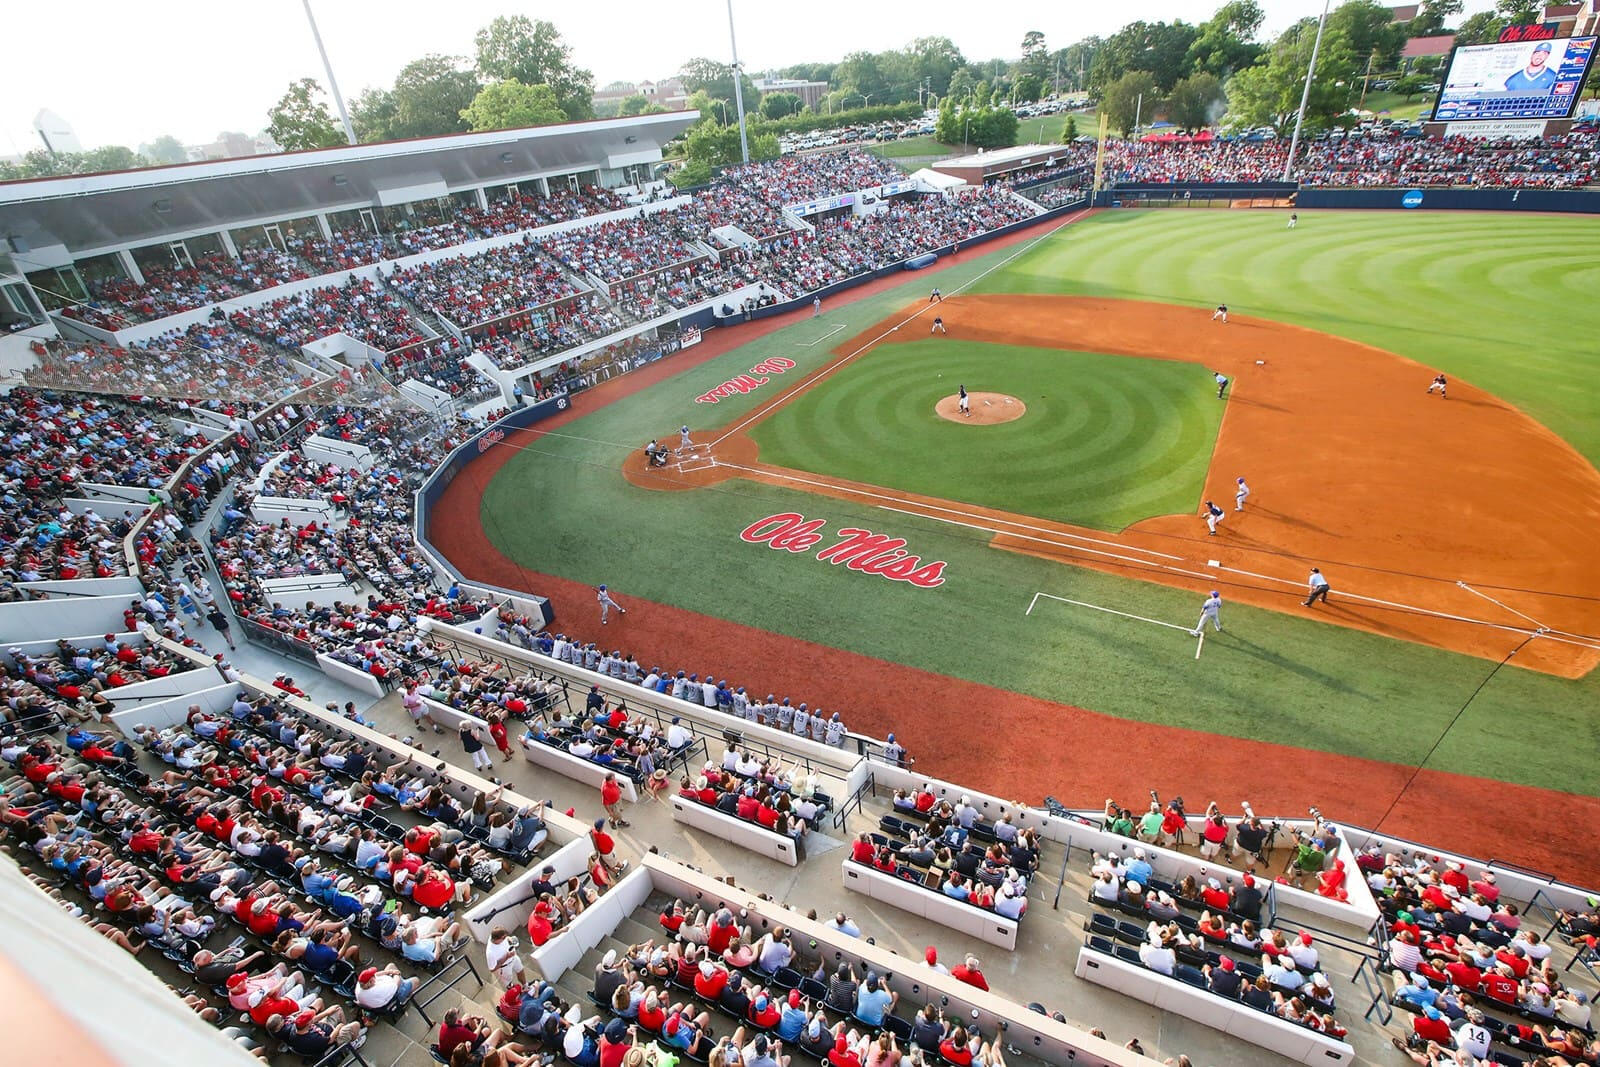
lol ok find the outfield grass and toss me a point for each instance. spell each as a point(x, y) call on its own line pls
point(911, 147)
point(1504, 303)
point(1456, 291)
point(1395, 106)
point(1106, 440)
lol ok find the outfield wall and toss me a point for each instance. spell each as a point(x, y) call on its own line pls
point(1205, 194)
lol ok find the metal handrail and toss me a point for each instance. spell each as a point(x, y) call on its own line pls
point(1366, 976)
point(855, 800)
point(445, 983)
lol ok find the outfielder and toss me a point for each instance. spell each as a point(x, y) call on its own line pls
point(1209, 610)
point(1440, 384)
point(966, 408)
point(1220, 313)
point(938, 325)
point(1213, 515)
point(606, 604)
point(1240, 495)
point(1293, 219)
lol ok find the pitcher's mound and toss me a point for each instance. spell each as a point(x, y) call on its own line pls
point(987, 408)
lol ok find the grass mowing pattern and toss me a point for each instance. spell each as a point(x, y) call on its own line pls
point(562, 506)
point(1505, 303)
point(1107, 440)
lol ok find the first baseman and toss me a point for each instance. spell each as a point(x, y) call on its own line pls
point(606, 604)
point(938, 325)
point(1240, 495)
point(1209, 610)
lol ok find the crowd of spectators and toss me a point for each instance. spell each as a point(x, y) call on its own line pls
point(797, 178)
point(358, 308)
point(623, 248)
point(469, 290)
point(549, 330)
point(915, 224)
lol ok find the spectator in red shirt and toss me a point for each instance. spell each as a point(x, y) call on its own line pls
point(969, 973)
point(1431, 1026)
point(611, 798)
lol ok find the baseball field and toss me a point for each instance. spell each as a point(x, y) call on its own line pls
point(1012, 592)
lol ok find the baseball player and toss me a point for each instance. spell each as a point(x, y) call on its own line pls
point(966, 404)
point(1240, 495)
point(683, 437)
point(1293, 219)
point(801, 720)
point(606, 604)
point(816, 307)
point(1213, 515)
point(1209, 610)
point(1222, 383)
point(1220, 313)
point(937, 297)
point(1439, 384)
point(938, 325)
point(1317, 586)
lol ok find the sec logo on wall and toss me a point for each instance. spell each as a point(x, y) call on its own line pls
point(1411, 198)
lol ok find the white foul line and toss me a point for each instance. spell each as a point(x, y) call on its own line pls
point(774, 404)
point(818, 341)
point(1201, 644)
point(1113, 611)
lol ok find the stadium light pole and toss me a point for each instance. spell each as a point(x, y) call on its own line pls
point(338, 98)
point(738, 89)
point(1305, 95)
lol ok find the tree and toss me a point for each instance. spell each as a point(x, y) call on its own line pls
point(430, 95)
point(1431, 18)
point(1410, 85)
point(164, 149)
point(1162, 48)
point(1268, 94)
point(1227, 40)
point(961, 84)
point(633, 105)
point(1069, 132)
point(1075, 60)
point(373, 115)
point(1481, 28)
point(1194, 101)
point(1035, 57)
point(1517, 12)
point(532, 52)
point(718, 146)
point(509, 105)
point(934, 61)
point(301, 119)
point(1129, 97)
point(40, 163)
point(1357, 29)
point(862, 73)
point(777, 105)
point(716, 81)
point(1027, 88)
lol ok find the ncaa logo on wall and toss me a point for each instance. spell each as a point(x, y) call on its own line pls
point(561, 402)
point(1411, 198)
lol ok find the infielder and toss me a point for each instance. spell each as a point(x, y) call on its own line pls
point(1317, 585)
point(938, 325)
point(1208, 610)
point(1240, 495)
point(1222, 383)
point(966, 408)
point(683, 437)
point(1213, 515)
point(606, 604)
point(1220, 313)
point(1440, 384)
point(937, 297)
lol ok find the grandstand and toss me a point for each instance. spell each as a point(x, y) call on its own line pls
point(242, 379)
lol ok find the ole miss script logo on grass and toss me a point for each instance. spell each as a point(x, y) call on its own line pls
point(857, 549)
point(744, 383)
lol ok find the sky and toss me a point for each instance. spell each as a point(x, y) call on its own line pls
point(124, 73)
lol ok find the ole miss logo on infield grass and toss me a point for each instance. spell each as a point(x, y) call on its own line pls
point(744, 383)
point(857, 549)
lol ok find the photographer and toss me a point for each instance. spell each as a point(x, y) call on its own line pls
point(1249, 837)
point(1214, 834)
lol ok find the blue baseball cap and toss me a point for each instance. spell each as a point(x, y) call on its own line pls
point(1542, 46)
